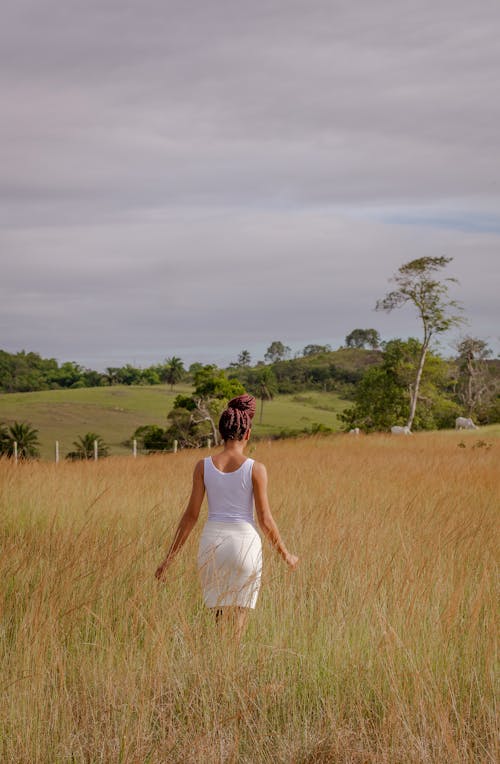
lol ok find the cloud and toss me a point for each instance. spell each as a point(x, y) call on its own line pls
point(195, 178)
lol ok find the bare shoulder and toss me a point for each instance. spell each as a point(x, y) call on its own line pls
point(199, 468)
point(259, 471)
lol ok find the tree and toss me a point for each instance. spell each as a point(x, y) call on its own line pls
point(112, 373)
point(315, 349)
point(21, 372)
point(70, 374)
point(194, 368)
point(277, 352)
point(192, 413)
point(92, 378)
point(417, 285)
point(26, 438)
point(84, 447)
point(360, 338)
point(150, 376)
point(476, 385)
point(173, 371)
point(4, 437)
point(382, 397)
point(244, 360)
point(152, 438)
point(265, 388)
point(128, 375)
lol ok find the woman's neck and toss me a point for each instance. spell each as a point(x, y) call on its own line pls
point(235, 446)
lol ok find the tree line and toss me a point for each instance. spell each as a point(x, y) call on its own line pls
point(404, 382)
point(28, 372)
point(24, 372)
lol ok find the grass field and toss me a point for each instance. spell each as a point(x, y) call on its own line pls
point(115, 412)
point(381, 647)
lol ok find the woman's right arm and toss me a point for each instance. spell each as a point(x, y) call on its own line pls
point(187, 521)
point(264, 516)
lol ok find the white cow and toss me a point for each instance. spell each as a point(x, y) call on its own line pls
point(400, 430)
point(354, 431)
point(464, 423)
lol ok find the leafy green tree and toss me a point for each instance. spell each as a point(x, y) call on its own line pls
point(150, 376)
point(189, 427)
point(361, 338)
point(277, 351)
point(173, 371)
point(26, 438)
point(70, 374)
point(417, 285)
point(382, 396)
point(195, 416)
point(212, 382)
point(194, 368)
point(152, 438)
point(212, 391)
point(22, 372)
point(315, 349)
point(92, 378)
point(84, 447)
point(128, 375)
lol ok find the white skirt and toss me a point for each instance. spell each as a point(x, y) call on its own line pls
point(230, 564)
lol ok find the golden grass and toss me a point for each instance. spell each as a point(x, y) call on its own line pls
point(380, 648)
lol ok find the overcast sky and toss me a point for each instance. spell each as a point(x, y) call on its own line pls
point(194, 178)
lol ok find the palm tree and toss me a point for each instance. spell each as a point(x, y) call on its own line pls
point(3, 439)
point(26, 438)
point(173, 371)
point(244, 358)
point(111, 375)
point(84, 447)
point(266, 388)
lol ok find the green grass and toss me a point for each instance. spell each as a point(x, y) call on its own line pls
point(115, 412)
point(112, 412)
point(297, 411)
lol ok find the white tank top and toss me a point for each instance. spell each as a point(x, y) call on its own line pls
point(230, 494)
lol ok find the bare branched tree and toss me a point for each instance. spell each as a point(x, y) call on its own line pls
point(416, 284)
point(476, 386)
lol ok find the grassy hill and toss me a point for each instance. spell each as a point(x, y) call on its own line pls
point(115, 412)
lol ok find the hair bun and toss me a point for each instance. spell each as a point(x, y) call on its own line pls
point(243, 402)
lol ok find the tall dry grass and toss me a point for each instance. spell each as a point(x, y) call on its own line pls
point(380, 648)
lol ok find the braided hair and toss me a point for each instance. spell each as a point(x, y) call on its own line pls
point(236, 419)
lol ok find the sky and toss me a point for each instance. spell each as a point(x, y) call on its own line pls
point(195, 178)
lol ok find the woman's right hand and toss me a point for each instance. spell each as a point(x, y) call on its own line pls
point(292, 560)
point(160, 570)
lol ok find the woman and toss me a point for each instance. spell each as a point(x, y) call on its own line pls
point(230, 551)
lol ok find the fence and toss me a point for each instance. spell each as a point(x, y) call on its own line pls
point(96, 450)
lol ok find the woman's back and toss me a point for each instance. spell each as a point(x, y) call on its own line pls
point(230, 494)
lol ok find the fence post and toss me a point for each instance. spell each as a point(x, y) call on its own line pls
point(15, 452)
point(209, 442)
point(175, 446)
point(57, 452)
point(96, 450)
point(134, 448)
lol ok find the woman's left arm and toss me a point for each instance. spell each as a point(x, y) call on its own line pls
point(187, 521)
